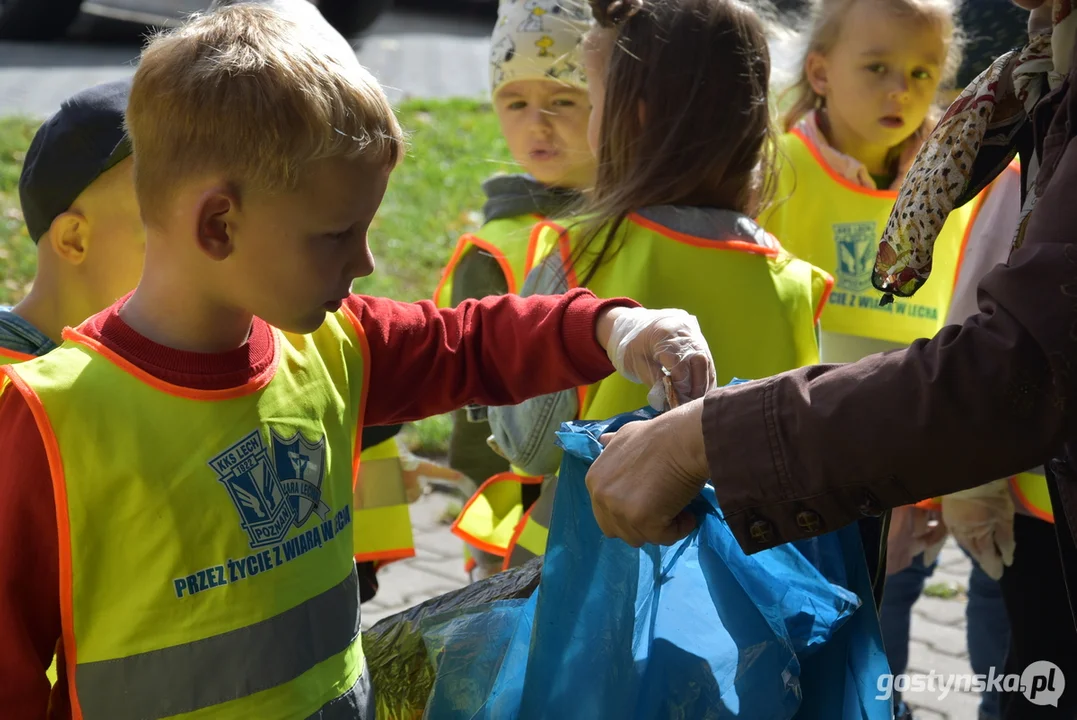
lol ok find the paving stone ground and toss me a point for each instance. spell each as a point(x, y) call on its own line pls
point(937, 634)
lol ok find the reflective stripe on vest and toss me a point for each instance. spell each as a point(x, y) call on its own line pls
point(206, 557)
point(221, 668)
point(717, 281)
point(1031, 493)
point(830, 222)
point(507, 240)
point(382, 519)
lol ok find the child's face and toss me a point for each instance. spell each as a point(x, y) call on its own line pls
point(545, 125)
point(880, 79)
point(115, 240)
point(292, 255)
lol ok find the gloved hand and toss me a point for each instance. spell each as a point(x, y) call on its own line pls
point(644, 345)
point(913, 531)
point(981, 520)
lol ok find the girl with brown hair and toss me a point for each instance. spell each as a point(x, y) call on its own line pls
point(680, 124)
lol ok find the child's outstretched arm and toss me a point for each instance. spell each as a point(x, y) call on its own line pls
point(525, 432)
point(501, 351)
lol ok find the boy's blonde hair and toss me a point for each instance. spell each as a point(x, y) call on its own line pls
point(823, 27)
point(249, 93)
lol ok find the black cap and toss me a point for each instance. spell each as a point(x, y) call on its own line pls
point(72, 149)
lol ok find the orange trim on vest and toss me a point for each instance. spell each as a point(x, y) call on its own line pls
point(384, 557)
point(890, 194)
point(63, 530)
point(16, 356)
point(823, 298)
point(929, 504)
point(450, 266)
point(516, 537)
point(469, 239)
point(736, 245)
point(364, 348)
point(474, 541)
point(251, 386)
point(1027, 504)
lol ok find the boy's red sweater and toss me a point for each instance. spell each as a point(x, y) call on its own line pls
point(422, 362)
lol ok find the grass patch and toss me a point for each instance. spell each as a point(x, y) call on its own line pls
point(944, 590)
point(434, 196)
point(429, 437)
point(18, 255)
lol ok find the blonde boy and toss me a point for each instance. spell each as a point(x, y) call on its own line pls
point(191, 450)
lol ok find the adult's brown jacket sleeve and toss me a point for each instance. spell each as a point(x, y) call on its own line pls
point(811, 450)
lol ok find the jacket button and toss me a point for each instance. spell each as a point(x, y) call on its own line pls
point(809, 522)
point(870, 506)
point(761, 531)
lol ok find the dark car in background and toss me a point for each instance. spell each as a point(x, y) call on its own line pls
point(49, 19)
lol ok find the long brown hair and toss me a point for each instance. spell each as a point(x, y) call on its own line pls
point(686, 118)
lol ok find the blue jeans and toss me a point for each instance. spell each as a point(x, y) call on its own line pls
point(987, 627)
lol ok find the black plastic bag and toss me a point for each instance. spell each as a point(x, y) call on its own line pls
point(401, 670)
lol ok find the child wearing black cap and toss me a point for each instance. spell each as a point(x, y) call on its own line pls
point(78, 198)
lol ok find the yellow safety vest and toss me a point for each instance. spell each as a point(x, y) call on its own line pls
point(206, 564)
point(491, 516)
point(382, 501)
point(507, 240)
point(836, 225)
point(1029, 490)
point(757, 306)
point(490, 519)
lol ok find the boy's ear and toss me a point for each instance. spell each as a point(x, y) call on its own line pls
point(217, 211)
point(815, 71)
point(69, 236)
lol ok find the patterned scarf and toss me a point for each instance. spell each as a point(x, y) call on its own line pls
point(975, 140)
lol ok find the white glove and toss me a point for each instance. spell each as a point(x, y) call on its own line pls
point(645, 345)
point(981, 520)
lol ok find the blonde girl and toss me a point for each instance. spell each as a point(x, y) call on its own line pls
point(862, 105)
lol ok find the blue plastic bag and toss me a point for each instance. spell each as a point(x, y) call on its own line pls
point(695, 630)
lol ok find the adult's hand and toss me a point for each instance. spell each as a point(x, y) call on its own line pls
point(648, 474)
point(913, 531)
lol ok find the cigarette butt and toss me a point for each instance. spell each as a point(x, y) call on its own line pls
point(671, 396)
